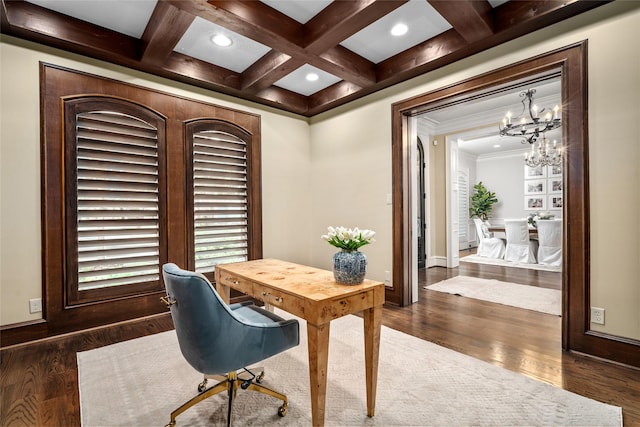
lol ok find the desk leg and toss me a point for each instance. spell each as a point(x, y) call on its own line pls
point(372, 325)
point(318, 337)
point(224, 291)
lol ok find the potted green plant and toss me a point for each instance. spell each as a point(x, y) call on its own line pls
point(482, 201)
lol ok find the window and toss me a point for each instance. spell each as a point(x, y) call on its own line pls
point(133, 178)
point(219, 229)
point(113, 198)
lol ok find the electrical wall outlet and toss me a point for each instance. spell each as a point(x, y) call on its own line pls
point(35, 305)
point(387, 278)
point(597, 315)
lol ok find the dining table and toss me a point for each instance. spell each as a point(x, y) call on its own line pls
point(533, 232)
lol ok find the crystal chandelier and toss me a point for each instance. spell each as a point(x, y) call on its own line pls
point(530, 127)
point(544, 154)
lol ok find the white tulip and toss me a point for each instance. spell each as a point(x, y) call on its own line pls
point(347, 238)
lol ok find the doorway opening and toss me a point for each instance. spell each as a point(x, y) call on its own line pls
point(473, 152)
point(572, 65)
point(572, 61)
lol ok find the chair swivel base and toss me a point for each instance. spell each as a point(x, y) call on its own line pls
point(230, 384)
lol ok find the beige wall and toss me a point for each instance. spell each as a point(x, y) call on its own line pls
point(438, 187)
point(361, 133)
point(285, 163)
point(350, 181)
point(337, 169)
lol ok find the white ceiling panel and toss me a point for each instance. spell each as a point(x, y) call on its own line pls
point(376, 43)
point(241, 54)
point(128, 17)
point(301, 11)
point(496, 3)
point(297, 82)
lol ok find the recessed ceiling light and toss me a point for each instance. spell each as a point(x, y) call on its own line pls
point(399, 29)
point(496, 146)
point(312, 77)
point(221, 40)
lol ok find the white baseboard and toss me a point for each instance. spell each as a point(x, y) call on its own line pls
point(437, 261)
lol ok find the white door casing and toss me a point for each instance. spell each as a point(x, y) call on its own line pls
point(453, 221)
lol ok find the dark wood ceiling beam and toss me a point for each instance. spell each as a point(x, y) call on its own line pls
point(334, 95)
point(342, 19)
point(4, 22)
point(41, 25)
point(472, 19)
point(412, 59)
point(49, 27)
point(267, 70)
point(351, 67)
point(195, 69)
point(337, 16)
point(429, 55)
point(422, 58)
point(527, 16)
point(252, 19)
point(26, 20)
point(286, 36)
point(261, 23)
point(285, 99)
point(512, 19)
point(521, 17)
point(166, 27)
point(192, 71)
point(275, 65)
point(273, 96)
point(265, 20)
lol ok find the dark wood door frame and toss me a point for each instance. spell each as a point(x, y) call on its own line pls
point(572, 61)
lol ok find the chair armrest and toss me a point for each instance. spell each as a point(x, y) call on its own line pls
point(237, 305)
point(253, 315)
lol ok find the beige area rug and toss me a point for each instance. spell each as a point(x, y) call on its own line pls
point(513, 294)
point(139, 382)
point(494, 261)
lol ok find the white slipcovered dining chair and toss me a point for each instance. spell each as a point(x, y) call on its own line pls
point(519, 248)
point(488, 246)
point(549, 242)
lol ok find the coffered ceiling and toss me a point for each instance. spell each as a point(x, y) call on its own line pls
point(345, 46)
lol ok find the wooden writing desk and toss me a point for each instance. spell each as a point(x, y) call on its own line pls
point(314, 296)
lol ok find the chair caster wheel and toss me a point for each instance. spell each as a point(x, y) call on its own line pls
point(245, 385)
point(202, 386)
point(282, 411)
point(260, 378)
point(171, 424)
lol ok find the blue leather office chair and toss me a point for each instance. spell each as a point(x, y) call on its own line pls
point(221, 340)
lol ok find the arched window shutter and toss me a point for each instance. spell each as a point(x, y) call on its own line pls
point(220, 228)
point(114, 200)
point(118, 205)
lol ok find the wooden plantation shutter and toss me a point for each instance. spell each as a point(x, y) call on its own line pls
point(463, 208)
point(72, 302)
point(114, 229)
point(220, 197)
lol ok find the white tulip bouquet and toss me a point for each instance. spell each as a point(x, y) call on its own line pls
point(347, 238)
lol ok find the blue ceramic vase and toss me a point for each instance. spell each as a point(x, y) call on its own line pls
point(349, 267)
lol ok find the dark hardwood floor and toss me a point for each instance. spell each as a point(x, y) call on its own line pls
point(39, 381)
